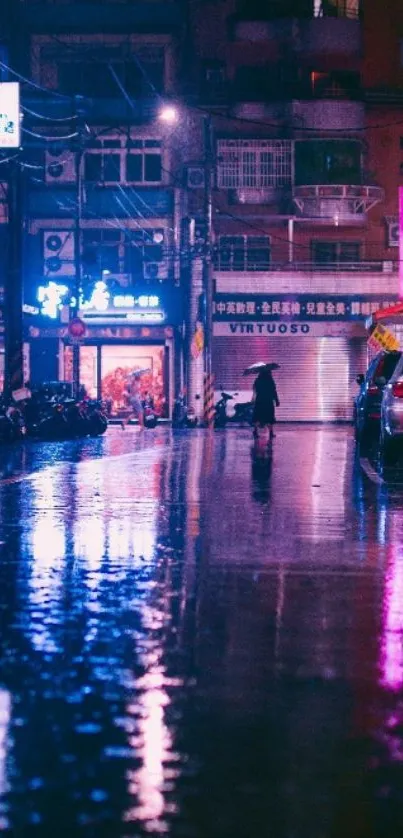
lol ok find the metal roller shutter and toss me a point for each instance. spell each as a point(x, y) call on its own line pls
point(316, 379)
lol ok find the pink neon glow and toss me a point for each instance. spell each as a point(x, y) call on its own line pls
point(392, 634)
point(401, 242)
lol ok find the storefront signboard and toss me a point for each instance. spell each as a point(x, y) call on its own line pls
point(283, 307)
point(281, 328)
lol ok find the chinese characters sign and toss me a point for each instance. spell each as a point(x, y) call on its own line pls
point(10, 115)
point(308, 308)
point(383, 338)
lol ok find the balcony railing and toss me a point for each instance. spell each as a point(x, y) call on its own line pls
point(362, 266)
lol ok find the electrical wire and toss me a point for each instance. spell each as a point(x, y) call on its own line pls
point(48, 118)
point(50, 139)
point(33, 84)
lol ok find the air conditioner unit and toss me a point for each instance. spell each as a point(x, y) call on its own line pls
point(195, 177)
point(151, 270)
point(58, 253)
point(393, 233)
point(387, 267)
point(60, 167)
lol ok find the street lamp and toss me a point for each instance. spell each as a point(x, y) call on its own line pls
point(170, 115)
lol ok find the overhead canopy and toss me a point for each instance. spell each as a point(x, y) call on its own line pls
point(391, 314)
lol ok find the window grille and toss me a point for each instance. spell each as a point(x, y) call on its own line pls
point(254, 164)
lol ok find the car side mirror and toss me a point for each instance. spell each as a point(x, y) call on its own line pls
point(360, 379)
point(381, 381)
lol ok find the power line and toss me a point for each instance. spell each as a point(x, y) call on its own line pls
point(34, 84)
point(50, 139)
point(48, 118)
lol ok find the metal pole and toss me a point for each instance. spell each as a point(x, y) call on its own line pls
point(207, 256)
point(74, 309)
point(13, 291)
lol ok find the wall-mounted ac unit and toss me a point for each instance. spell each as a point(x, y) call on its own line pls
point(58, 253)
point(387, 267)
point(195, 177)
point(60, 167)
point(392, 223)
point(151, 270)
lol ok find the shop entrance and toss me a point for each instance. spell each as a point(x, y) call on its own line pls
point(105, 370)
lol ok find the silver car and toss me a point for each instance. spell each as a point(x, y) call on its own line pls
point(391, 436)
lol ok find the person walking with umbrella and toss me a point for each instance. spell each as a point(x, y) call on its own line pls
point(265, 398)
point(133, 393)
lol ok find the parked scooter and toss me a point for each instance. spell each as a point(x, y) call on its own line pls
point(150, 416)
point(182, 415)
point(220, 411)
point(12, 425)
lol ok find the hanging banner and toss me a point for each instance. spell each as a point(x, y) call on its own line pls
point(10, 133)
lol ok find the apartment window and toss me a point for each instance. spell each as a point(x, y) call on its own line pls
point(94, 71)
point(145, 253)
point(143, 162)
point(255, 164)
point(327, 162)
point(338, 84)
point(102, 249)
point(334, 253)
point(337, 8)
point(103, 167)
point(243, 253)
point(116, 161)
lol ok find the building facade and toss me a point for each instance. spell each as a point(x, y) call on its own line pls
point(306, 100)
point(100, 206)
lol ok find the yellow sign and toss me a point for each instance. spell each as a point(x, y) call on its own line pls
point(383, 338)
point(198, 341)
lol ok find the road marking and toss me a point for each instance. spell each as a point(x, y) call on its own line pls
point(370, 472)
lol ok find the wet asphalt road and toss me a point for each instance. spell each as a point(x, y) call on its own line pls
point(195, 645)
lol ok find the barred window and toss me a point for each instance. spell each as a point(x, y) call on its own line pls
point(243, 253)
point(255, 164)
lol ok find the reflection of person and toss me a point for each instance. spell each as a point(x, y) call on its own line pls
point(133, 392)
point(265, 397)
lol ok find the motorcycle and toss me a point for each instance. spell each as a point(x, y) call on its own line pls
point(220, 411)
point(12, 426)
point(150, 416)
point(182, 416)
point(243, 413)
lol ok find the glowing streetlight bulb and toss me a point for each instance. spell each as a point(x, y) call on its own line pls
point(169, 114)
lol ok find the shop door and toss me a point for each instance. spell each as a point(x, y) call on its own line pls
point(88, 368)
point(117, 364)
point(316, 379)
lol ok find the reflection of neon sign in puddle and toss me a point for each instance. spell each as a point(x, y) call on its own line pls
point(391, 663)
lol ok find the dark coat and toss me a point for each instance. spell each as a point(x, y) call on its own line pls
point(266, 397)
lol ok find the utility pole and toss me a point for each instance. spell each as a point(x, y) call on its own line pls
point(13, 290)
point(208, 243)
point(76, 290)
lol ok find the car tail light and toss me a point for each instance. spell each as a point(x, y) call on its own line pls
point(373, 390)
point(397, 390)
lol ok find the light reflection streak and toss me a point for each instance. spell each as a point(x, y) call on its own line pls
point(48, 545)
point(328, 487)
point(392, 634)
point(5, 716)
point(153, 742)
